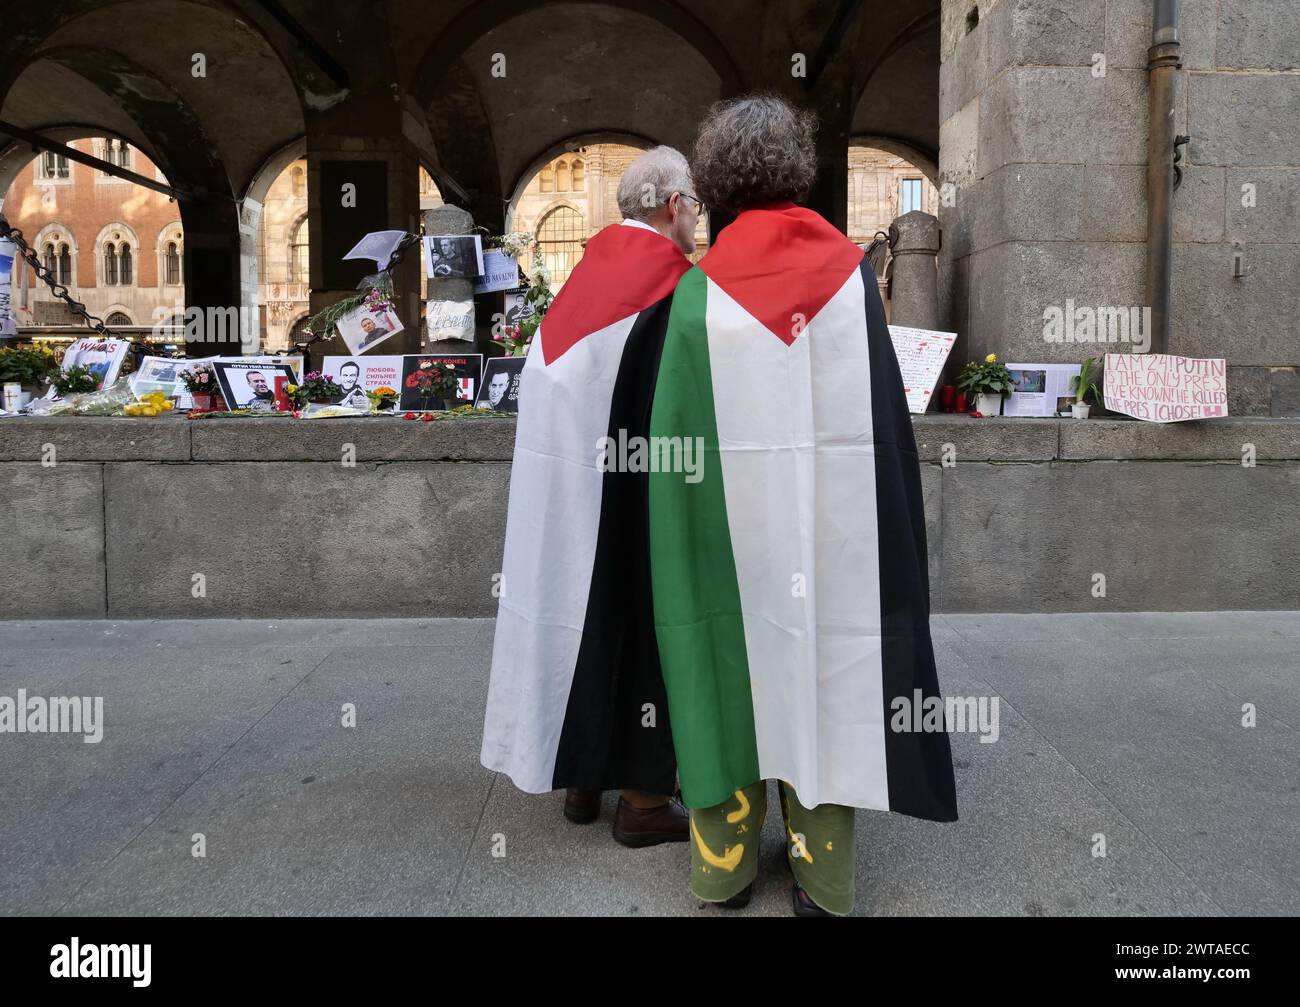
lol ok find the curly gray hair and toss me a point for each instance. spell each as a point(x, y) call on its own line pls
point(754, 150)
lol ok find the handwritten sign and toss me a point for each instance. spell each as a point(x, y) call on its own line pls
point(451, 319)
point(920, 353)
point(1166, 389)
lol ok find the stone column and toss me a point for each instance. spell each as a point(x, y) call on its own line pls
point(449, 220)
point(914, 240)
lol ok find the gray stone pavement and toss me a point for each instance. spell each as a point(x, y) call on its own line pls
point(1128, 726)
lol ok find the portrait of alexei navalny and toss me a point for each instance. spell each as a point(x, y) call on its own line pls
point(517, 308)
point(349, 379)
point(365, 326)
point(500, 389)
point(250, 385)
point(451, 256)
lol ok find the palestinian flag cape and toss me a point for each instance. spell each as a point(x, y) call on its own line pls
point(574, 663)
point(790, 583)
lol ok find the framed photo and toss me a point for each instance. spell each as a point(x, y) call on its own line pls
point(469, 366)
point(248, 384)
point(367, 326)
point(102, 356)
point(500, 390)
point(453, 256)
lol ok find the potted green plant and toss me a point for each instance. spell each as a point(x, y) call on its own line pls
point(316, 388)
point(28, 366)
point(1084, 384)
point(988, 383)
point(76, 381)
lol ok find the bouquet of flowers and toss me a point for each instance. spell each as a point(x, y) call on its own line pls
point(435, 381)
point(200, 379)
point(538, 296)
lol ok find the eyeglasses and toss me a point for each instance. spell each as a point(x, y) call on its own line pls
point(699, 203)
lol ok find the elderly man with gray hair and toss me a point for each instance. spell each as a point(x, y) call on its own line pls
point(576, 699)
point(654, 192)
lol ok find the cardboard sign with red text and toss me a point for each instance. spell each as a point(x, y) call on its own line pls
point(920, 353)
point(1163, 388)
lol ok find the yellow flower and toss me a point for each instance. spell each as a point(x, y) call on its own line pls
point(992, 358)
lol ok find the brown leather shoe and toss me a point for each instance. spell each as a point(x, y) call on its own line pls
point(581, 806)
point(667, 823)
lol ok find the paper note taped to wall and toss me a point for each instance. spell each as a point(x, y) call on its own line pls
point(921, 354)
point(1163, 388)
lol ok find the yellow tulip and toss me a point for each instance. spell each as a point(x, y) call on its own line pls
point(992, 358)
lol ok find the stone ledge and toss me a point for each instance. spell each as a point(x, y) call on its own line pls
point(992, 439)
point(96, 438)
point(1205, 440)
point(1013, 439)
point(375, 439)
point(1025, 439)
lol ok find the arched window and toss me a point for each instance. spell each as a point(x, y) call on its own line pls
point(560, 237)
point(546, 179)
point(118, 318)
point(298, 182)
point(579, 176)
point(299, 254)
point(53, 166)
point(173, 264)
point(65, 265)
point(110, 264)
point(124, 264)
point(298, 331)
point(563, 177)
point(117, 152)
point(51, 259)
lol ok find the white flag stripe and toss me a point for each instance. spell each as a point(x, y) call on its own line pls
point(554, 480)
point(800, 491)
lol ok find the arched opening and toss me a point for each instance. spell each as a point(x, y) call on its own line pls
point(284, 255)
point(883, 185)
point(87, 235)
point(591, 171)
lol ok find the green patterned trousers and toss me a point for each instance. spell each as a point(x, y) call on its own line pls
point(819, 847)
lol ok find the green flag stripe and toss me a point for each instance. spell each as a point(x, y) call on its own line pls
point(698, 620)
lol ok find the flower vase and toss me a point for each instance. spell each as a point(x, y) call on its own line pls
point(202, 402)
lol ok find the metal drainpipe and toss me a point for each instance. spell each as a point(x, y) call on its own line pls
point(1163, 61)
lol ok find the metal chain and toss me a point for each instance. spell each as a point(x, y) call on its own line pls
point(51, 281)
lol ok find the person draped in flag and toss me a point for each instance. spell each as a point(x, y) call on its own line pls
point(789, 570)
point(576, 699)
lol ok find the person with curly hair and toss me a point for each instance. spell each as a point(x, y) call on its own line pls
point(789, 574)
